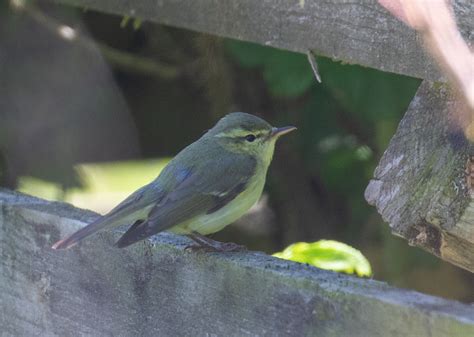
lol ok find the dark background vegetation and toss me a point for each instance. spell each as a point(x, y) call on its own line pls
point(147, 91)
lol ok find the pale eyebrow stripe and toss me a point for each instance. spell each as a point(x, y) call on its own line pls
point(235, 132)
point(240, 133)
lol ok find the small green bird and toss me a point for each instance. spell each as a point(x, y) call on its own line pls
point(207, 186)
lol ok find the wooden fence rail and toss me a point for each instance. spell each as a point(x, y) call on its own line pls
point(359, 32)
point(156, 288)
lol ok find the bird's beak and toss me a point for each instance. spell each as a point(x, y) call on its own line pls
point(277, 132)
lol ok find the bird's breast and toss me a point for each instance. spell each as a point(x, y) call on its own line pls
point(214, 222)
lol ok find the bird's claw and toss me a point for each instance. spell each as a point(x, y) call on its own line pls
point(220, 247)
point(232, 247)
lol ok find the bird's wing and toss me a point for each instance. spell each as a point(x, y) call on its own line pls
point(199, 193)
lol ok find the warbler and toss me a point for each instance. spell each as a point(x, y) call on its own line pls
point(207, 186)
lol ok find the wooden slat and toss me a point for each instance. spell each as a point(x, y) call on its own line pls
point(156, 288)
point(359, 32)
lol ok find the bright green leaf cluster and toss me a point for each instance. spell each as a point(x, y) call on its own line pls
point(329, 255)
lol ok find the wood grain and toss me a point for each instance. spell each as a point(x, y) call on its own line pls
point(359, 32)
point(156, 288)
point(421, 184)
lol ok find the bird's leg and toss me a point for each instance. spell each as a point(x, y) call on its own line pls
point(204, 243)
point(201, 241)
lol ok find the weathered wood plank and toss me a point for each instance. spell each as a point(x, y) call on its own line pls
point(359, 32)
point(421, 186)
point(156, 288)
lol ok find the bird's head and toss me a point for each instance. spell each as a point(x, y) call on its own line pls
point(244, 133)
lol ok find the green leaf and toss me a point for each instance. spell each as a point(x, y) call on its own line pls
point(124, 22)
point(288, 74)
point(329, 255)
point(137, 23)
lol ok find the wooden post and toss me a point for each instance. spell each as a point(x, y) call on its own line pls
point(422, 185)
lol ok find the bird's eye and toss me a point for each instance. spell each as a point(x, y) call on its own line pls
point(250, 138)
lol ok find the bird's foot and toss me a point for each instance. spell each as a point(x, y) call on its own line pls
point(222, 248)
point(208, 245)
point(232, 247)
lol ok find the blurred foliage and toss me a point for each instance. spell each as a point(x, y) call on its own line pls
point(103, 185)
point(329, 255)
point(136, 23)
point(286, 74)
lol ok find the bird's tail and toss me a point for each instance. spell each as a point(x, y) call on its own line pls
point(138, 231)
point(73, 239)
